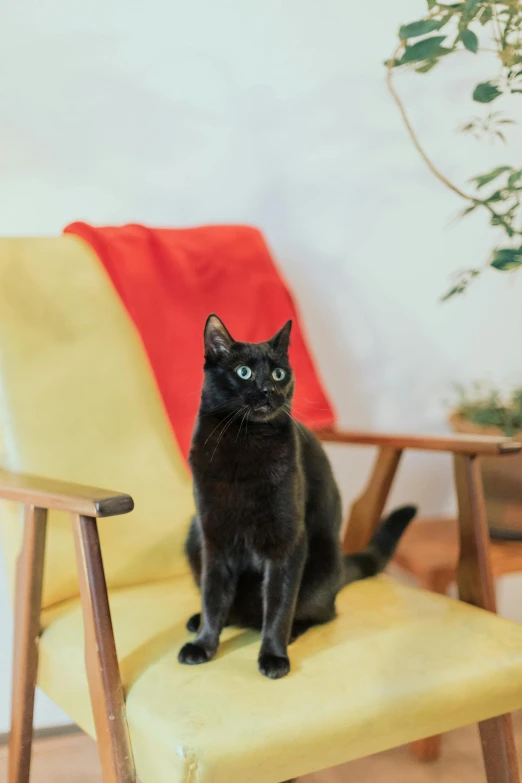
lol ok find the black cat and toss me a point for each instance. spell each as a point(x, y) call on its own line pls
point(264, 545)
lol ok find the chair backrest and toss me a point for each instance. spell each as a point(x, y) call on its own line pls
point(78, 402)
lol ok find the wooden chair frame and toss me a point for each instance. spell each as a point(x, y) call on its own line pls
point(87, 504)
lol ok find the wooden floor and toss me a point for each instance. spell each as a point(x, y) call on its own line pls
point(73, 759)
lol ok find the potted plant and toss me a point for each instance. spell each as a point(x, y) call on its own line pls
point(485, 411)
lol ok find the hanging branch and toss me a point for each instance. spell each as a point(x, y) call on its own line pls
point(504, 22)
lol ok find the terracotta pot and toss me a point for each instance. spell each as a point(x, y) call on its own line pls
point(502, 477)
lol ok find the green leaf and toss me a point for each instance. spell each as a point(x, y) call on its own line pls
point(485, 92)
point(489, 176)
point(461, 283)
point(507, 258)
point(469, 12)
point(424, 50)
point(423, 27)
point(468, 210)
point(500, 220)
point(427, 66)
point(470, 40)
point(486, 15)
point(514, 178)
point(431, 4)
point(498, 195)
point(453, 291)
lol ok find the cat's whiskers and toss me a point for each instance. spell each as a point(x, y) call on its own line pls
point(303, 410)
point(216, 409)
point(287, 410)
point(239, 430)
point(225, 428)
point(314, 403)
point(218, 425)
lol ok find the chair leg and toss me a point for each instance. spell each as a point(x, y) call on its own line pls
point(498, 749)
point(103, 674)
point(365, 513)
point(475, 582)
point(427, 749)
point(29, 580)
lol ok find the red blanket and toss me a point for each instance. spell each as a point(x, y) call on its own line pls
point(171, 279)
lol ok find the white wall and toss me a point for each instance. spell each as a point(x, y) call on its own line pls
point(274, 113)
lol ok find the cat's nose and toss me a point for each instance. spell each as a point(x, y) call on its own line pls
point(267, 389)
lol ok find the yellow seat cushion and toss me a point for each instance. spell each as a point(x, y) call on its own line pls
point(397, 664)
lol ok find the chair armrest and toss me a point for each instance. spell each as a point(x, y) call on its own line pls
point(101, 661)
point(62, 496)
point(457, 444)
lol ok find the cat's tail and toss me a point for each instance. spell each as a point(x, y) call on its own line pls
point(380, 550)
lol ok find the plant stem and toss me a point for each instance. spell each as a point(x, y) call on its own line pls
point(429, 163)
point(496, 24)
point(416, 143)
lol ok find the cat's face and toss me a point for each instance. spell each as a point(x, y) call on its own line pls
point(254, 377)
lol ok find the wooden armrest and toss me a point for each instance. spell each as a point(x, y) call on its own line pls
point(63, 496)
point(101, 661)
point(458, 444)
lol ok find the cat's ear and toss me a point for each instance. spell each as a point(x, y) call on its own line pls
point(218, 340)
point(281, 340)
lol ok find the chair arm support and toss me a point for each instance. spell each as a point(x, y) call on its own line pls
point(63, 496)
point(107, 696)
point(456, 444)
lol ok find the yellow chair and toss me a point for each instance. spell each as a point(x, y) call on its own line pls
point(79, 405)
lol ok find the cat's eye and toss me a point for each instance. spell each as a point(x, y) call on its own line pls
point(244, 372)
point(278, 374)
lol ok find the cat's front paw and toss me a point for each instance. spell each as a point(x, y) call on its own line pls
point(194, 622)
point(192, 654)
point(273, 666)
